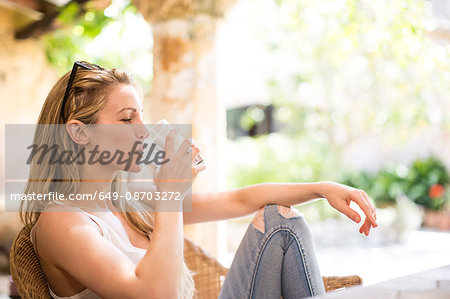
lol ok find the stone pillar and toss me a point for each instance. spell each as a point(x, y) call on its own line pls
point(184, 85)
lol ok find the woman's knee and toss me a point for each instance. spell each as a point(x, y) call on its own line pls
point(288, 212)
point(258, 221)
point(282, 211)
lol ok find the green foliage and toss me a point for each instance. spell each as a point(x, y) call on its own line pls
point(344, 70)
point(384, 187)
point(101, 37)
point(278, 157)
point(423, 182)
point(65, 45)
point(353, 56)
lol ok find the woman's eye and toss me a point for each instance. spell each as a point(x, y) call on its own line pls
point(126, 119)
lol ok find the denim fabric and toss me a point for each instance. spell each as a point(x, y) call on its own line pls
point(275, 261)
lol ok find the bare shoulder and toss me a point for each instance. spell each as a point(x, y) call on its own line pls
point(58, 225)
point(56, 217)
point(73, 243)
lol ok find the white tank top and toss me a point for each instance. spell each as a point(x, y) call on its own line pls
point(134, 253)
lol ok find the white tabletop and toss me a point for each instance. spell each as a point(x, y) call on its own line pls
point(433, 283)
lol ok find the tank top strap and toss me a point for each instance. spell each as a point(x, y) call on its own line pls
point(97, 220)
point(84, 294)
point(94, 218)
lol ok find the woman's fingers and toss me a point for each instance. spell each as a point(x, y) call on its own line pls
point(196, 169)
point(353, 215)
point(184, 147)
point(169, 145)
point(366, 197)
point(349, 212)
point(341, 202)
point(365, 206)
point(195, 151)
point(365, 228)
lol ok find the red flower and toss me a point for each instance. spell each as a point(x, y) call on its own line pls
point(437, 190)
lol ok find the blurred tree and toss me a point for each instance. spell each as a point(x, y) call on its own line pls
point(342, 70)
point(107, 37)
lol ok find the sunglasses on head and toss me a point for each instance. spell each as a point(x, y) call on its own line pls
point(83, 64)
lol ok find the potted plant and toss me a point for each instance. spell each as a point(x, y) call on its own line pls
point(426, 184)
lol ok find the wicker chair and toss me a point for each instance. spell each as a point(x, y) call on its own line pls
point(30, 281)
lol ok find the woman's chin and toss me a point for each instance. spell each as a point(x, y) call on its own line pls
point(135, 168)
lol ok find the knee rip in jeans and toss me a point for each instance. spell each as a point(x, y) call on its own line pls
point(285, 211)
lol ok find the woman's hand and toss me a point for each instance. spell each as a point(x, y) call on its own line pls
point(339, 196)
point(178, 174)
point(198, 164)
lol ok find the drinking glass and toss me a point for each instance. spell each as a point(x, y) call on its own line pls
point(159, 132)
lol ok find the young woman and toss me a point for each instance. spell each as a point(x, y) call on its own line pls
point(118, 249)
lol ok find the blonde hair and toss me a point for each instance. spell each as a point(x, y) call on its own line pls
point(86, 98)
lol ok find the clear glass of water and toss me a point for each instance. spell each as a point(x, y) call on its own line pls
point(159, 132)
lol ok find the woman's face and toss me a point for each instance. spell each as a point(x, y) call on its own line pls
point(119, 128)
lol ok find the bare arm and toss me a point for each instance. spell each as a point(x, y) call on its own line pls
point(211, 206)
point(202, 206)
point(288, 194)
point(74, 244)
point(163, 260)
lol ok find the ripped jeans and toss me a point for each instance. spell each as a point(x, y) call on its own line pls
point(275, 259)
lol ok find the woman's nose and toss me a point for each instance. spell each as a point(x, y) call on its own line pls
point(143, 132)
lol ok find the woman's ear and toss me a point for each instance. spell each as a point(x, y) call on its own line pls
point(77, 131)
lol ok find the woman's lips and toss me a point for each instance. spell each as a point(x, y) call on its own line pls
point(140, 152)
point(140, 155)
